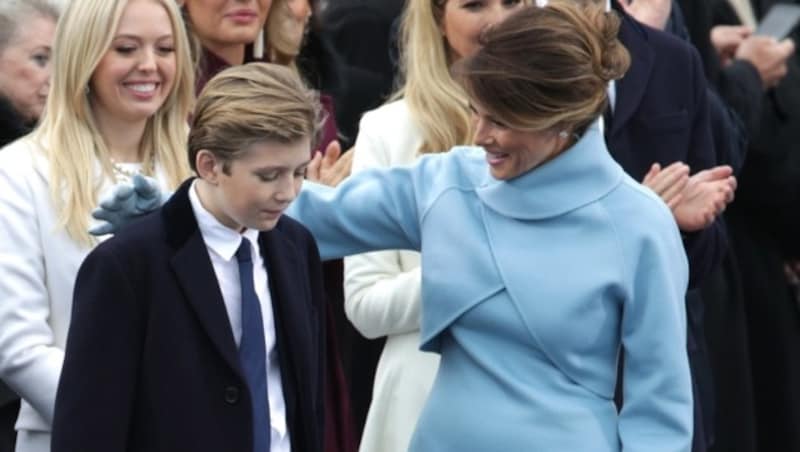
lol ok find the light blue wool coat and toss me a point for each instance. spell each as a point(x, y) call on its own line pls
point(531, 289)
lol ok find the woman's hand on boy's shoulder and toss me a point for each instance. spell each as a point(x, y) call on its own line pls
point(126, 202)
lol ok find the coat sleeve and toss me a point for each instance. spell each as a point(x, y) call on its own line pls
point(741, 88)
point(381, 296)
point(657, 410)
point(730, 137)
point(705, 248)
point(104, 346)
point(30, 360)
point(372, 210)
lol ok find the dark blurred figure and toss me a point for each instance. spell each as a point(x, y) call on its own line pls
point(363, 32)
point(765, 221)
point(353, 89)
point(741, 67)
point(753, 326)
point(738, 87)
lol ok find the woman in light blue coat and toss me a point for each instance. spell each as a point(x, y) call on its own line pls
point(540, 268)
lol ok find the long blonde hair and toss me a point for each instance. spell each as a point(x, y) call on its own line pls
point(436, 101)
point(68, 132)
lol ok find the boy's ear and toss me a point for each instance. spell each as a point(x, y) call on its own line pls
point(207, 165)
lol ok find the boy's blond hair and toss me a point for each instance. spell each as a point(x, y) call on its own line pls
point(252, 103)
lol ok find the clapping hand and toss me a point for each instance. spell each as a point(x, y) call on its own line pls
point(668, 183)
point(706, 195)
point(702, 196)
point(331, 168)
point(127, 202)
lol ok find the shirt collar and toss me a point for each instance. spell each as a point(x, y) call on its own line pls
point(221, 239)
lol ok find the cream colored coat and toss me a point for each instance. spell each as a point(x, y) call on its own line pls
point(382, 297)
point(38, 264)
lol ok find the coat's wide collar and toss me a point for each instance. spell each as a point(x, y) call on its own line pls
point(580, 175)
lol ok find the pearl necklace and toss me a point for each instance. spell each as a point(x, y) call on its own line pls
point(122, 174)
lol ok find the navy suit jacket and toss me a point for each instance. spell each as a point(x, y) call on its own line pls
point(151, 363)
point(661, 114)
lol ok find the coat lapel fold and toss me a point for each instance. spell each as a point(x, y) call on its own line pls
point(290, 302)
point(631, 87)
point(195, 274)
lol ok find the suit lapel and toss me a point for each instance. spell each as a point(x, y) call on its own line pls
point(195, 274)
point(632, 86)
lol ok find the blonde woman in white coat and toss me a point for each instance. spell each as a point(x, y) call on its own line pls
point(121, 91)
point(382, 289)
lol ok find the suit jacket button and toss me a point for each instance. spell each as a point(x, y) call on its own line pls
point(231, 395)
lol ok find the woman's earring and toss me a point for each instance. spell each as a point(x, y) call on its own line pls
point(563, 134)
point(258, 45)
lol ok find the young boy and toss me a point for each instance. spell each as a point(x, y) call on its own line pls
point(197, 329)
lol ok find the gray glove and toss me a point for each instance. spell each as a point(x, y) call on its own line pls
point(127, 202)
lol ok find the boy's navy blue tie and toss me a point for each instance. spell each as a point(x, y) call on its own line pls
point(253, 350)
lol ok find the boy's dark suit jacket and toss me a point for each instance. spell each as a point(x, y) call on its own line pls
point(151, 363)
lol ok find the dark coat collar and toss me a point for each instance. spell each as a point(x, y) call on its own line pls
point(631, 88)
point(12, 125)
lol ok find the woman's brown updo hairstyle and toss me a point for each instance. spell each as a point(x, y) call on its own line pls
point(547, 68)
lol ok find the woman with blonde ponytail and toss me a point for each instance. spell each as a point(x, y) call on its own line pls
point(121, 91)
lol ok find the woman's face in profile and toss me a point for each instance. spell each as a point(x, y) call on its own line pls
point(464, 21)
point(25, 67)
point(136, 75)
point(511, 152)
point(222, 23)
